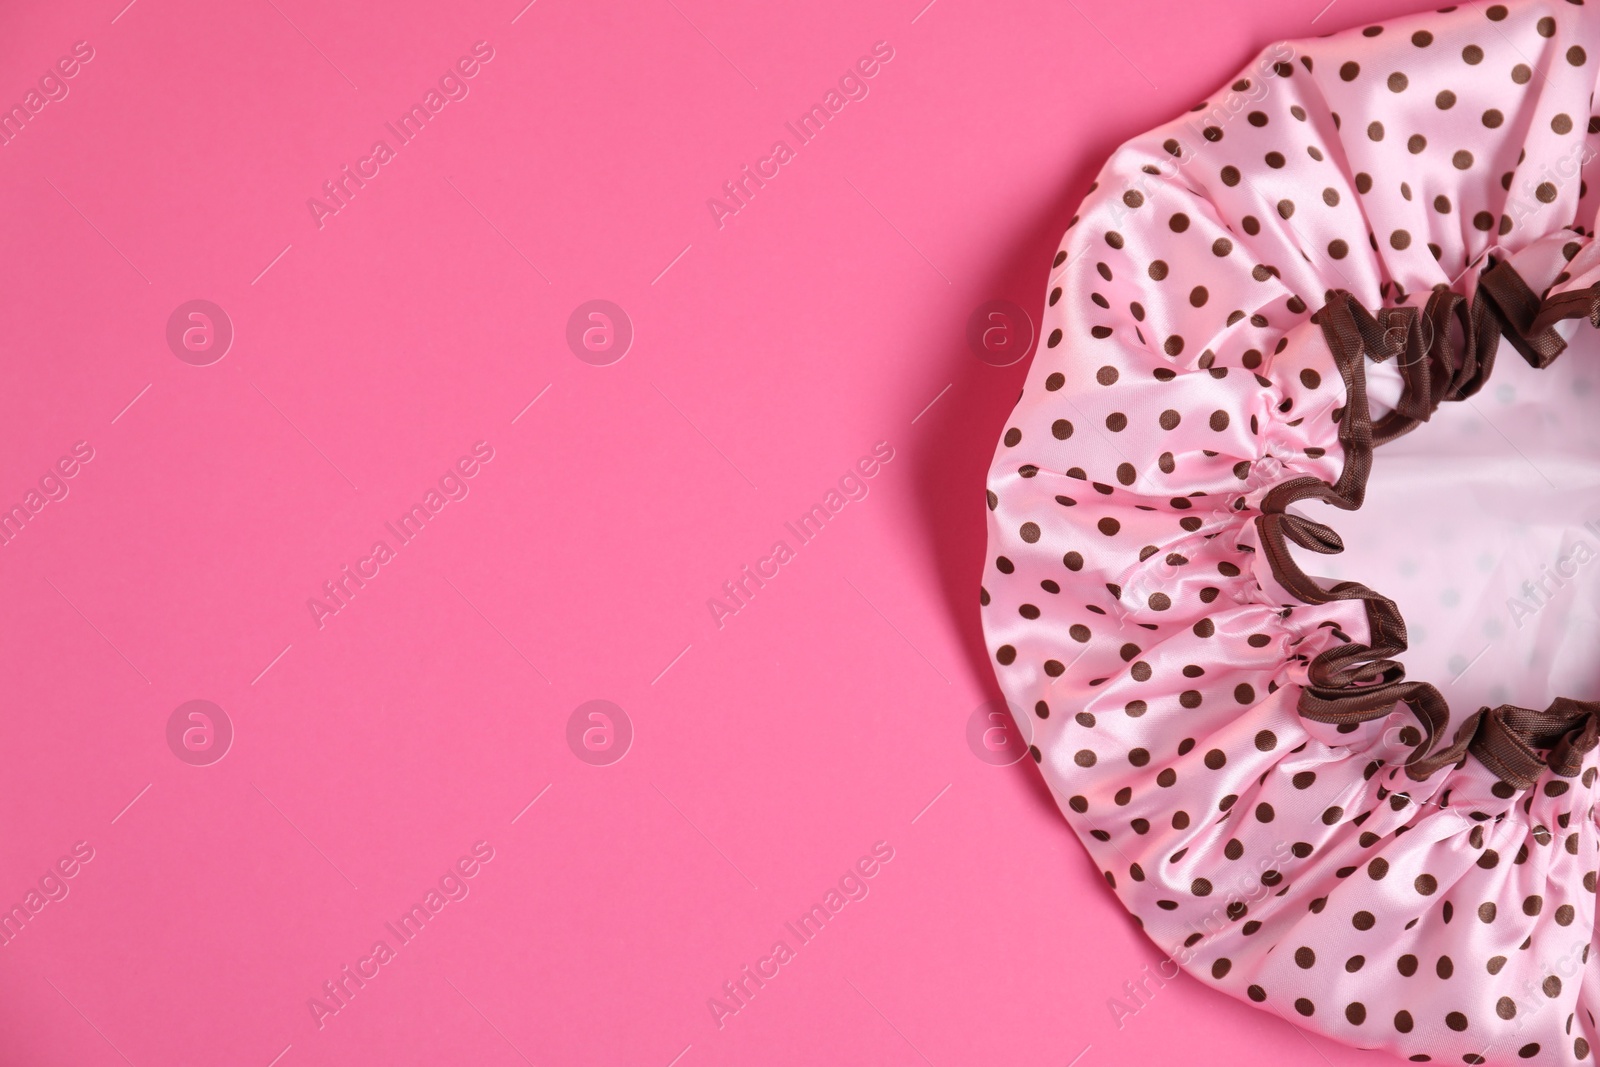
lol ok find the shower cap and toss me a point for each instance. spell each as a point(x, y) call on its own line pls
point(1287, 310)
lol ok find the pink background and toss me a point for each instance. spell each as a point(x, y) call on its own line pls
point(370, 754)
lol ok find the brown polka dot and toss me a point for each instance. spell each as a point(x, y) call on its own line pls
point(1073, 561)
point(1215, 759)
point(1160, 602)
point(1375, 131)
point(1158, 270)
point(1445, 100)
point(1506, 1008)
point(1029, 532)
point(1472, 54)
point(1304, 958)
point(1230, 175)
point(1116, 422)
point(1055, 381)
point(1363, 920)
point(1378, 868)
point(1400, 240)
point(1302, 1005)
point(1407, 965)
point(1084, 758)
point(1577, 56)
point(1487, 911)
point(1356, 1012)
point(1219, 968)
point(1109, 526)
point(1462, 160)
point(1398, 82)
point(1561, 123)
point(1522, 74)
point(1456, 1021)
point(1061, 429)
point(1198, 296)
point(1256, 993)
point(1551, 987)
point(1427, 884)
point(1402, 1021)
point(1350, 71)
point(1179, 222)
point(1172, 345)
point(1532, 905)
point(1169, 419)
point(1221, 246)
point(1219, 420)
point(1006, 655)
point(1244, 693)
point(1337, 248)
point(1266, 741)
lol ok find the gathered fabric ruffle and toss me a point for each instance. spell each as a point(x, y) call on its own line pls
point(1249, 305)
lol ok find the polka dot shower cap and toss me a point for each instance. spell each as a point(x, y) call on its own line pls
point(1335, 294)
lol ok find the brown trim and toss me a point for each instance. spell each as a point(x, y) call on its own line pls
point(1520, 310)
point(1577, 304)
point(1353, 683)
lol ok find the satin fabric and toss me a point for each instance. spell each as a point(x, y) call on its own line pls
point(1147, 651)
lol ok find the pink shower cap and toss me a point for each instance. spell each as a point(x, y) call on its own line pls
point(1384, 833)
